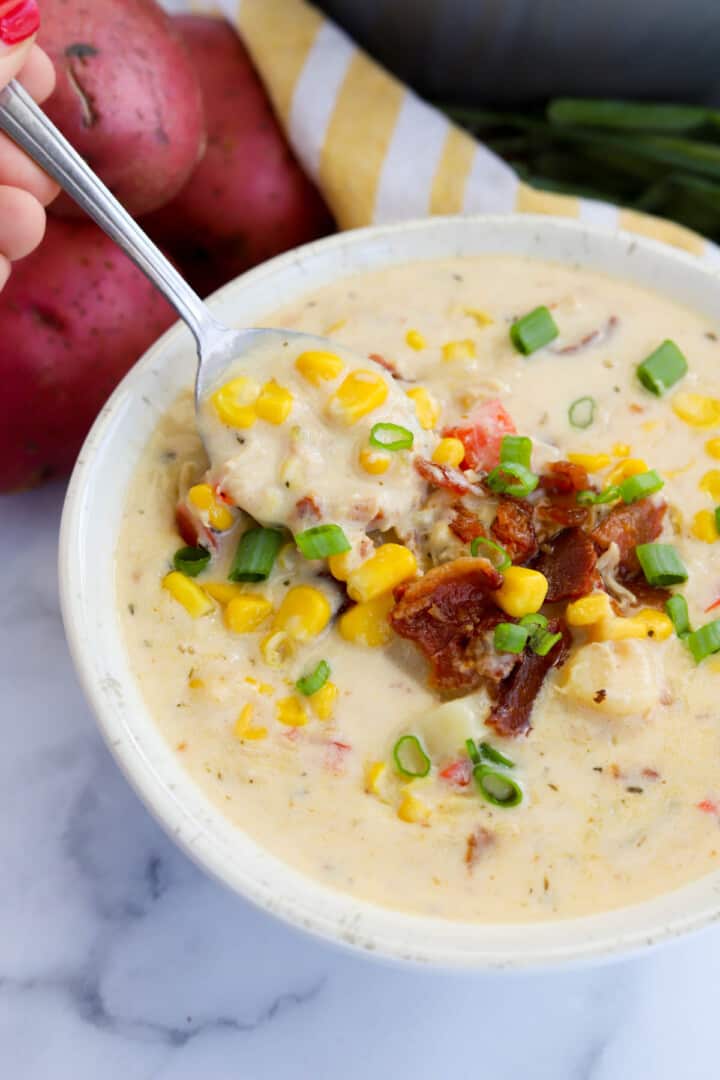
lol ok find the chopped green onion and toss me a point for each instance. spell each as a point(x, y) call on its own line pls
point(502, 558)
point(662, 369)
point(310, 684)
point(516, 450)
point(598, 498)
point(582, 412)
point(705, 641)
point(410, 758)
point(473, 752)
point(677, 609)
point(500, 480)
point(191, 560)
point(542, 642)
point(497, 787)
point(534, 621)
point(533, 331)
point(717, 518)
point(510, 637)
point(661, 564)
point(321, 541)
point(387, 436)
point(255, 554)
point(640, 485)
point(491, 754)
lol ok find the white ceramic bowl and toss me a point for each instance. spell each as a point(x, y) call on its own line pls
point(89, 532)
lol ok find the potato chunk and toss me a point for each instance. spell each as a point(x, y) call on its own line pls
point(614, 678)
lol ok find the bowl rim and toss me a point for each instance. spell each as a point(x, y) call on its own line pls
point(266, 881)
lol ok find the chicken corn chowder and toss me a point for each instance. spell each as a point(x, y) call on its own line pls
point(474, 676)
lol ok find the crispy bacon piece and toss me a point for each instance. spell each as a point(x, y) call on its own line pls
point(517, 692)
point(307, 507)
point(560, 511)
point(444, 476)
point(465, 524)
point(384, 363)
point(514, 530)
point(648, 595)
point(476, 843)
point(564, 478)
point(449, 613)
point(628, 526)
point(568, 562)
point(595, 337)
point(458, 773)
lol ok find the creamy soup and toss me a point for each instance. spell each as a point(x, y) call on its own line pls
point(494, 697)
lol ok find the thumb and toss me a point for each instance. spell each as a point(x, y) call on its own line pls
point(19, 22)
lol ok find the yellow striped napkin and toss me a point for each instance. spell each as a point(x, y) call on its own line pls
point(377, 151)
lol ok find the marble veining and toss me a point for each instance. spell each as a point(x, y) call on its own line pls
point(120, 960)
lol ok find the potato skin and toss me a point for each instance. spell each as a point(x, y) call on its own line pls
point(75, 315)
point(248, 198)
point(126, 97)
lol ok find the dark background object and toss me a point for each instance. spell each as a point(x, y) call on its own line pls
point(507, 52)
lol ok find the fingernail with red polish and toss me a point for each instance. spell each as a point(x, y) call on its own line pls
point(19, 22)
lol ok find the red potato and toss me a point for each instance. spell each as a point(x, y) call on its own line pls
point(126, 97)
point(75, 315)
point(248, 199)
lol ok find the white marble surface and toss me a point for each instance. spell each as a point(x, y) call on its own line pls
point(120, 960)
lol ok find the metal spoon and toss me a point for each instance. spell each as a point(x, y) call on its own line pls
point(217, 345)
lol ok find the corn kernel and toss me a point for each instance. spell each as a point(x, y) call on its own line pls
point(318, 366)
point(591, 462)
point(188, 593)
point(449, 451)
point(657, 624)
point(234, 402)
point(712, 447)
point(322, 702)
point(627, 467)
point(621, 449)
point(303, 614)
point(426, 408)
point(367, 624)
point(522, 592)
point(261, 687)
point(375, 462)
point(221, 517)
point(648, 623)
point(339, 565)
point(244, 728)
point(201, 496)
point(415, 340)
point(710, 482)
point(389, 566)
point(277, 648)
point(588, 609)
point(244, 614)
point(374, 771)
point(223, 591)
point(696, 409)
point(481, 317)
point(334, 327)
point(274, 403)
point(413, 810)
point(291, 711)
point(360, 393)
point(196, 684)
point(459, 350)
point(703, 526)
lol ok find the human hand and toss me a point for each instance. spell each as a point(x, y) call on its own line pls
point(24, 188)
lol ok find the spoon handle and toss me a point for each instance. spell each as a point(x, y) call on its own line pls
point(28, 126)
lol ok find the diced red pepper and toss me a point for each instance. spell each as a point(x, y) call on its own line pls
point(715, 604)
point(483, 434)
point(335, 752)
point(458, 773)
point(708, 806)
